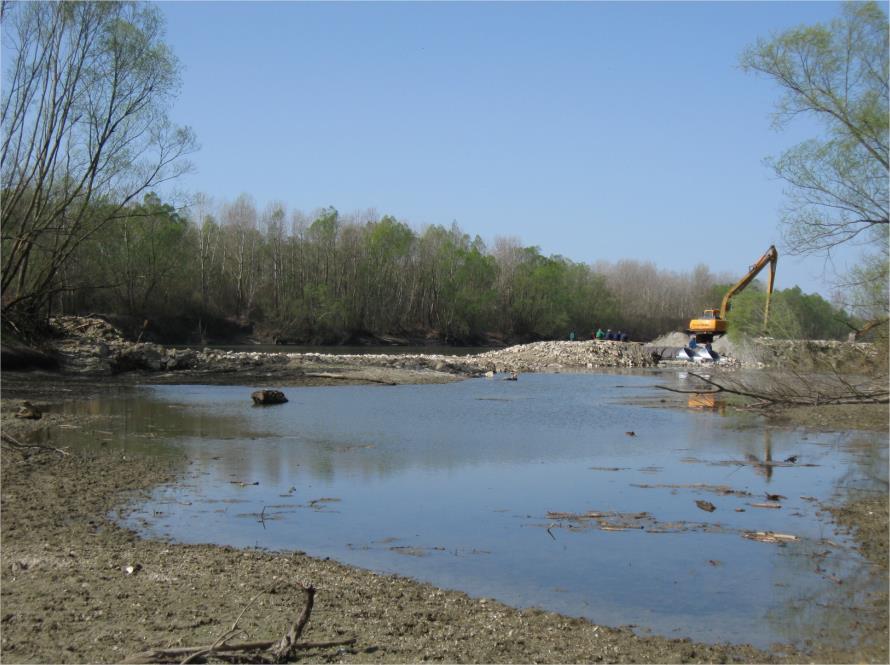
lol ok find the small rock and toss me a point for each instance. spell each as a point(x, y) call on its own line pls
point(266, 397)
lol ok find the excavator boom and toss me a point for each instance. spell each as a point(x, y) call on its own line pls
point(769, 258)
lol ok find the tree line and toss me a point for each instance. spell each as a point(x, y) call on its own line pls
point(333, 278)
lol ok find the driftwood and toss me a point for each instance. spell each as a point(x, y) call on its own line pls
point(769, 536)
point(281, 650)
point(17, 445)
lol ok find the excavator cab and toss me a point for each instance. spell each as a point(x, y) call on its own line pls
point(707, 327)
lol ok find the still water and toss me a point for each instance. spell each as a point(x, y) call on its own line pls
point(478, 485)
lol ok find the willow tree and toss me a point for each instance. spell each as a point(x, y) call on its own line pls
point(85, 132)
point(838, 190)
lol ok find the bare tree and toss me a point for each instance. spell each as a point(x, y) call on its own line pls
point(85, 131)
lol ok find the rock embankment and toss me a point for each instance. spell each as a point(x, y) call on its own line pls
point(91, 345)
point(571, 356)
point(94, 346)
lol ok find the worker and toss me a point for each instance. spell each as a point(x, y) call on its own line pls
point(624, 337)
point(692, 342)
point(600, 334)
point(609, 335)
point(572, 336)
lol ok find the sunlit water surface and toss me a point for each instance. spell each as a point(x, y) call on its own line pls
point(452, 484)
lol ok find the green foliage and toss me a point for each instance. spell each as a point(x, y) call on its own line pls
point(793, 315)
point(141, 258)
point(839, 73)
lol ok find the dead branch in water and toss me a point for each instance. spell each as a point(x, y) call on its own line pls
point(23, 447)
point(800, 392)
point(266, 651)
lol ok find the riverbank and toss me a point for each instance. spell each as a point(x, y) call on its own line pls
point(78, 588)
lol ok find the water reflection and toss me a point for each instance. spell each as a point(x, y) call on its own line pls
point(707, 401)
point(458, 484)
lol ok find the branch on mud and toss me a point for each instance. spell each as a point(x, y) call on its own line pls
point(17, 445)
point(267, 651)
point(805, 392)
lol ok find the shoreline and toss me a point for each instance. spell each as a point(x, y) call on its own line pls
point(64, 577)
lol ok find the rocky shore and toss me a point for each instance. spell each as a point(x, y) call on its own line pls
point(92, 346)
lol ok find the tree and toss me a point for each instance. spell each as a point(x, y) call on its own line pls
point(143, 256)
point(85, 132)
point(793, 315)
point(839, 183)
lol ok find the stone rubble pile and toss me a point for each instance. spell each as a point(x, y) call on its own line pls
point(572, 356)
point(92, 345)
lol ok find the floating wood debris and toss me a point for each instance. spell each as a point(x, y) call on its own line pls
point(774, 506)
point(725, 490)
point(707, 506)
point(769, 537)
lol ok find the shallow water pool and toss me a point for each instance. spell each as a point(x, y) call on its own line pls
point(559, 491)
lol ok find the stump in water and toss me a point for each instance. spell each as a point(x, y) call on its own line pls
point(266, 397)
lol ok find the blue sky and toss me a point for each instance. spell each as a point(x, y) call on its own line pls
point(593, 130)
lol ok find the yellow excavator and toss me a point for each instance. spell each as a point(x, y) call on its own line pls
point(713, 323)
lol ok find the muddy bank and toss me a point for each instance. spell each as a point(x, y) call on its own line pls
point(77, 588)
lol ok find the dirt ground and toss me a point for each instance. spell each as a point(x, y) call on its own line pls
point(78, 588)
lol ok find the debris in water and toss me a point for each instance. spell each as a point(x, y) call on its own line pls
point(242, 483)
point(631, 433)
point(706, 505)
point(774, 497)
point(717, 489)
point(775, 506)
point(769, 537)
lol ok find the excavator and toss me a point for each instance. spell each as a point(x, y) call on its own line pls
point(713, 323)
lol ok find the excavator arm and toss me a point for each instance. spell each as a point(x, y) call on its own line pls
point(769, 258)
